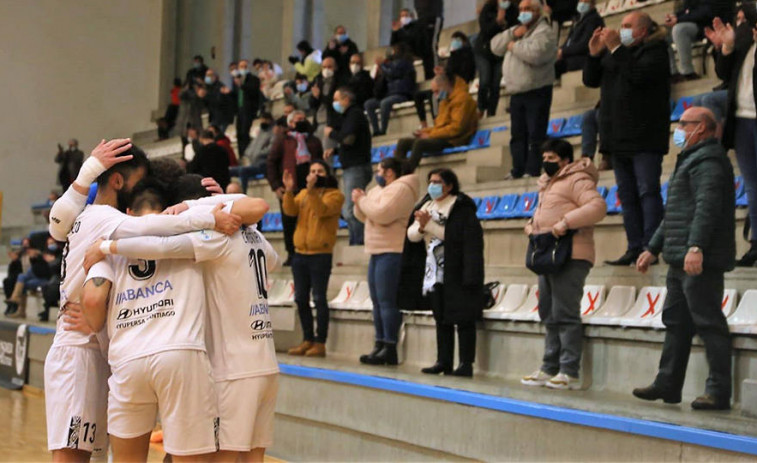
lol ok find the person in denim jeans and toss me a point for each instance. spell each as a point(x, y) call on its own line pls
point(385, 210)
point(396, 81)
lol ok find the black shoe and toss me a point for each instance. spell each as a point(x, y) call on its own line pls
point(44, 315)
point(464, 369)
point(709, 402)
point(11, 308)
point(376, 349)
point(386, 356)
point(288, 262)
point(690, 77)
point(436, 369)
point(629, 258)
point(748, 259)
point(653, 392)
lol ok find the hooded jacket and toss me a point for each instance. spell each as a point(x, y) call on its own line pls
point(385, 212)
point(571, 195)
point(457, 120)
point(317, 211)
point(531, 62)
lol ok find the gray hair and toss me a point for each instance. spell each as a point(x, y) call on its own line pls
point(347, 92)
point(291, 115)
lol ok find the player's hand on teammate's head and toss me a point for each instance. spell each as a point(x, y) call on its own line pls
point(228, 224)
point(93, 255)
point(108, 153)
point(176, 209)
point(212, 186)
point(73, 319)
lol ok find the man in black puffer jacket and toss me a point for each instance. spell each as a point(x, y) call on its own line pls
point(632, 69)
point(697, 240)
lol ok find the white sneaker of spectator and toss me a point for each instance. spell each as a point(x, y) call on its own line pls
point(563, 381)
point(537, 378)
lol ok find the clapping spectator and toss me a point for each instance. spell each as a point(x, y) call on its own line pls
point(396, 81)
point(445, 233)
point(255, 159)
point(270, 78)
point(360, 81)
point(309, 60)
point(495, 16)
point(529, 50)
point(69, 163)
point(460, 63)
point(298, 94)
point(322, 99)
point(220, 103)
point(572, 55)
point(408, 30)
point(317, 208)
point(454, 126)
point(196, 73)
point(246, 93)
point(631, 68)
point(354, 139)
point(211, 160)
point(341, 48)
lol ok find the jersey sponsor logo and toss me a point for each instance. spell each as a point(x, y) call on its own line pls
point(259, 309)
point(144, 292)
point(139, 315)
point(250, 237)
point(204, 235)
point(144, 270)
point(260, 325)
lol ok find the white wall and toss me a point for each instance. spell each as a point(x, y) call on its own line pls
point(77, 68)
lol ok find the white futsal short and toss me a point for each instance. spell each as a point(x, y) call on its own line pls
point(247, 407)
point(176, 383)
point(76, 399)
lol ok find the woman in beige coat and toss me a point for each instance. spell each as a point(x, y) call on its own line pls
point(568, 200)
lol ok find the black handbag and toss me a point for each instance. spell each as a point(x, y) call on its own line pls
point(547, 254)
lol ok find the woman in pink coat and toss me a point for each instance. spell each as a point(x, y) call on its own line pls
point(568, 200)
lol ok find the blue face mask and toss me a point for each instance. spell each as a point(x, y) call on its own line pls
point(338, 107)
point(243, 71)
point(303, 87)
point(456, 44)
point(626, 36)
point(583, 8)
point(52, 247)
point(504, 5)
point(679, 137)
point(208, 80)
point(435, 190)
point(380, 180)
point(342, 38)
point(525, 17)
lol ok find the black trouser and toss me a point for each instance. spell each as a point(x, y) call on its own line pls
point(419, 146)
point(445, 333)
point(420, 98)
point(529, 115)
point(693, 306)
point(244, 122)
point(312, 272)
point(432, 26)
point(288, 223)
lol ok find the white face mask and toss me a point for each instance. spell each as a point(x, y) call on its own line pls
point(327, 73)
point(355, 68)
point(405, 20)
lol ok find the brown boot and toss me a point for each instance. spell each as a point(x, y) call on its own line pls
point(301, 349)
point(18, 291)
point(21, 312)
point(318, 350)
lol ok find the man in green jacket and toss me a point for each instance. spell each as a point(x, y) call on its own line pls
point(697, 240)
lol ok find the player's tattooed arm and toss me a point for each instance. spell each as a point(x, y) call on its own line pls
point(95, 302)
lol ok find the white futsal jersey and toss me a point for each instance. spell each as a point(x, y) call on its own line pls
point(154, 306)
point(239, 336)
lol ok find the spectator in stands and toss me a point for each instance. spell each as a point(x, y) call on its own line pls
point(697, 240)
point(460, 63)
point(687, 26)
point(354, 139)
point(292, 152)
point(196, 74)
point(445, 233)
point(220, 104)
point(317, 208)
point(270, 80)
point(246, 93)
point(224, 142)
point(51, 290)
point(308, 62)
point(589, 136)
point(568, 200)
point(396, 84)
point(632, 70)
point(494, 17)
point(735, 64)
point(454, 126)
point(284, 119)
point(360, 81)
point(430, 20)
point(167, 122)
point(571, 56)
point(341, 48)
point(192, 146)
point(18, 260)
point(210, 160)
point(190, 109)
point(529, 50)
point(254, 162)
point(409, 31)
point(69, 163)
point(39, 273)
point(322, 99)
point(298, 93)
point(385, 210)
point(233, 72)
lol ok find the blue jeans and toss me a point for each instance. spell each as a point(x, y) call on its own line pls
point(245, 173)
point(489, 79)
point(354, 177)
point(529, 113)
point(311, 272)
point(745, 142)
point(31, 281)
point(589, 132)
point(383, 281)
point(638, 178)
point(386, 111)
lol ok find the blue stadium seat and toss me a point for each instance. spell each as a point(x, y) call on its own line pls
point(335, 162)
point(501, 128)
point(481, 139)
point(375, 155)
point(342, 223)
point(259, 176)
point(555, 127)
point(42, 206)
point(16, 243)
point(276, 224)
point(487, 207)
point(572, 126)
point(265, 223)
point(613, 202)
point(664, 193)
point(477, 202)
point(506, 207)
point(527, 204)
point(684, 103)
point(602, 191)
point(740, 192)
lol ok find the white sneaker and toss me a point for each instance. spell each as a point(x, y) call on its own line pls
point(563, 381)
point(537, 378)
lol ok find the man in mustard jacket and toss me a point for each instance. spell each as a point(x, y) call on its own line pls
point(456, 123)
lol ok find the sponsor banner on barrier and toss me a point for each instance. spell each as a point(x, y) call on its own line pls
point(14, 359)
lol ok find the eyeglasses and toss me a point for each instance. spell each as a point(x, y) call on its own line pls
point(683, 123)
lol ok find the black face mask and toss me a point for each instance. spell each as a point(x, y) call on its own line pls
point(551, 168)
point(302, 127)
point(265, 126)
point(321, 182)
